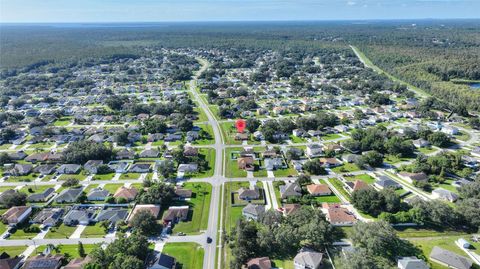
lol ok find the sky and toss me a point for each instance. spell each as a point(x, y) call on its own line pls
point(47, 11)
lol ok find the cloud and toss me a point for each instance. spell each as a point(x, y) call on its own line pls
point(351, 3)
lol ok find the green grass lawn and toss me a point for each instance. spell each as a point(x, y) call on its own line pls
point(20, 234)
point(103, 177)
point(6, 188)
point(35, 189)
point(188, 255)
point(61, 231)
point(285, 264)
point(112, 187)
point(201, 115)
point(363, 177)
point(339, 186)
point(206, 141)
point(331, 137)
point(80, 177)
point(285, 172)
point(70, 250)
point(411, 232)
point(231, 168)
point(41, 145)
point(26, 178)
point(209, 155)
point(129, 176)
point(260, 173)
point(392, 159)
point(427, 150)
point(13, 250)
point(346, 168)
point(200, 204)
point(228, 130)
point(232, 213)
point(94, 231)
point(462, 136)
point(328, 199)
point(296, 139)
point(446, 242)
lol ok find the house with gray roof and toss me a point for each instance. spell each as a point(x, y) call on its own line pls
point(69, 195)
point(449, 259)
point(308, 259)
point(78, 216)
point(253, 211)
point(42, 196)
point(69, 169)
point(411, 263)
point(112, 215)
point(92, 165)
point(139, 168)
point(97, 194)
point(444, 194)
point(48, 216)
point(45, 169)
point(290, 189)
point(384, 182)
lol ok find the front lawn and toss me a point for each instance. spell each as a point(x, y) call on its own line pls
point(232, 169)
point(129, 176)
point(328, 199)
point(346, 168)
point(363, 177)
point(93, 231)
point(200, 207)
point(108, 176)
point(80, 177)
point(20, 234)
point(188, 255)
point(209, 155)
point(339, 186)
point(70, 250)
point(61, 231)
point(13, 250)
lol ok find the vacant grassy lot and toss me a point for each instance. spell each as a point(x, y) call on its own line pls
point(209, 155)
point(188, 255)
point(231, 169)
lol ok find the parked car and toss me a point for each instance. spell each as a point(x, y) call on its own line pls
point(6, 235)
point(209, 240)
point(181, 234)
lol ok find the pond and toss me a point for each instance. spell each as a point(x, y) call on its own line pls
point(475, 86)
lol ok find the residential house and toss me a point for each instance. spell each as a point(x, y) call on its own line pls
point(249, 193)
point(307, 259)
point(350, 158)
point(290, 208)
point(384, 182)
point(420, 143)
point(19, 155)
point(290, 189)
point(44, 262)
point(449, 259)
point(125, 154)
point(16, 215)
point(127, 193)
point(92, 166)
point(69, 195)
point(42, 196)
point(45, 169)
point(21, 169)
point(246, 163)
point(188, 168)
point(149, 153)
point(314, 150)
point(338, 215)
point(139, 168)
point(97, 194)
point(119, 167)
point(253, 211)
point(163, 261)
point(48, 217)
point(411, 263)
point(154, 210)
point(78, 263)
point(241, 136)
point(259, 263)
point(182, 193)
point(329, 162)
point(450, 130)
point(414, 177)
point(69, 169)
point(7, 262)
point(176, 214)
point(112, 215)
point(273, 164)
point(78, 216)
point(37, 157)
point(351, 186)
point(318, 189)
point(444, 194)
point(190, 152)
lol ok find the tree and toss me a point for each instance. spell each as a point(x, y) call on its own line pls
point(376, 238)
point(4, 158)
point(470, 210)
point(81, 250)
point(253, 124)
point(116, 102)
point(70, 182)
point(439, 139)
point(82, 151)
point(166, 169)
point(244, 246)
point(185, 125)
point(158, 193)
point(360, 259)
point(14, 198)
point(303, 180)
point(153, 125)
point(374, 202)
point(371, 158)
point(314, 167)
point(124, 249)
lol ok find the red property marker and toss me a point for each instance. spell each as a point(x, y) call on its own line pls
point(240, 124)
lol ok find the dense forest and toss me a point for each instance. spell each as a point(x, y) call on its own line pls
point(439, 57)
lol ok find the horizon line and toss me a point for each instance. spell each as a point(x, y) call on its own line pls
point(239, 21)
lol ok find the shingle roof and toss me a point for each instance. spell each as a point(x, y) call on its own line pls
point(450, 258)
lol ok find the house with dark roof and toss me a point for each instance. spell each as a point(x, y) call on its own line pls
point(183, 193)
point(163, 261)
point(48, 217)
point(175, 214)
point(443, 194)
point(249, 193)
point(411, 263)
point(78, 216)
point(92, 165)
point(42, 196)
point(69, 195)
point(355, 185)
point(259, 263)
point(449, 259)
point(44, 262)
point(112, 215)
point(149, 153)
point(139, 168)
point(45, 169)
point(384, 182)
point(7, 262)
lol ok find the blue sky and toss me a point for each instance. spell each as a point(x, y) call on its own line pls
point(230, 10)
